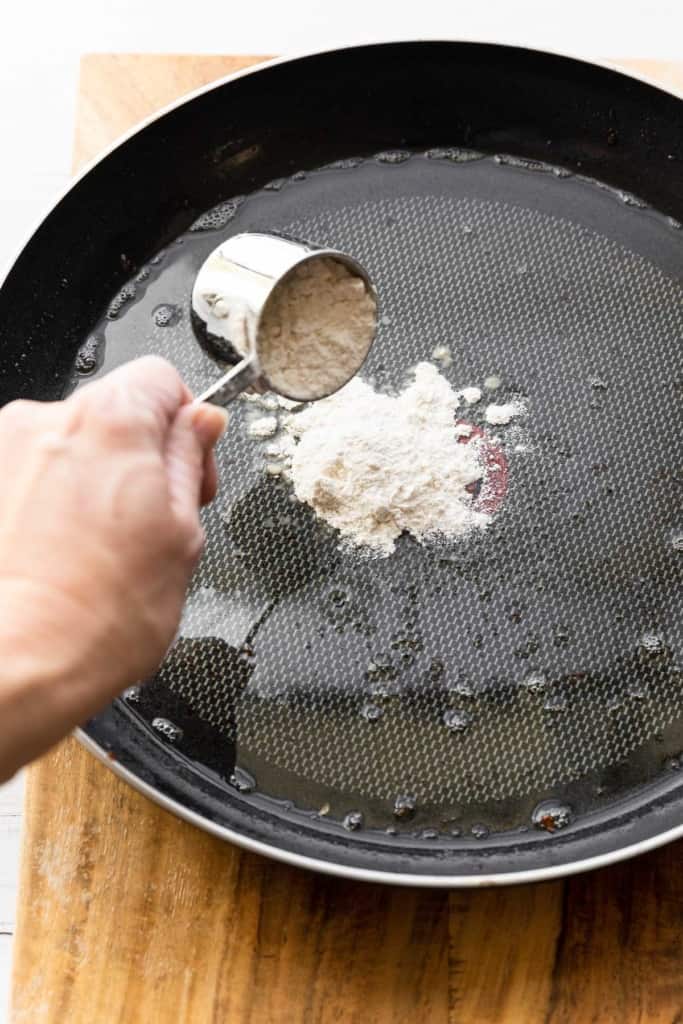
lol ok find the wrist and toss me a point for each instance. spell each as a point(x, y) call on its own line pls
point(36, 640)
point(31, 695)
point(29, 707)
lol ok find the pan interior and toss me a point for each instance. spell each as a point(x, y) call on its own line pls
point(318, 680)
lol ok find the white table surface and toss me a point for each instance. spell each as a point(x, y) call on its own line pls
point(40, 46)
point(10, 818)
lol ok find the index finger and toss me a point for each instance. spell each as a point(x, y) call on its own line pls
point(148, 385)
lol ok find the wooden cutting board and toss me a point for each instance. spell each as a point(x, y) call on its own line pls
point(128, 915)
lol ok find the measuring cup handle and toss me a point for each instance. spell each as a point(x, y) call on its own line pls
point(231, 384)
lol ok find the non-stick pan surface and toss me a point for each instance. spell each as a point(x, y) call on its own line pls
point(522, 209)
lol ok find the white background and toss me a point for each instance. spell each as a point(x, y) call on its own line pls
point(40, 44)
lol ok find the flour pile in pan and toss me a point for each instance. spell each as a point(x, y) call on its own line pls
point(375, 465)
point(539, 658)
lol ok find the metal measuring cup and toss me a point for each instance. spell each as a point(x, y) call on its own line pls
point(240, 276)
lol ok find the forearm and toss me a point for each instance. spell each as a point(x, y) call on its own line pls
point(46, 685)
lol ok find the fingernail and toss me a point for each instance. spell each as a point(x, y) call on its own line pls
point(209, 422)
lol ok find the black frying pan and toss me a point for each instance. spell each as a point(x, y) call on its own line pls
point(524, 209)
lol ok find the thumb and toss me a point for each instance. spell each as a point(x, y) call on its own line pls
point(184, 458)
point(192, 435)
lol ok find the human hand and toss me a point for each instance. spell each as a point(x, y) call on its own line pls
point(99, 535)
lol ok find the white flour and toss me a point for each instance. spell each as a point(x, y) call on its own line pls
point(442, 354)
point(375, 465)
point(499, 415)
point(470, 395)
point(316, 329)
point(264, 426)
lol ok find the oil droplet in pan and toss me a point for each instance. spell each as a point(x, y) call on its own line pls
point(371, 712)
point(651, 644)
point(404, 806)
point(457, 720)
point(167, 729)
point(166, 315)
point(89, 356)
point(242, 781)
point(551, 816)
point(535, 682)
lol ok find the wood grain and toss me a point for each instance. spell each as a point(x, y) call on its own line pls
point(127, 915)
point(668, 73)
point(603, 948)
point(502, 953)
point(118, 90)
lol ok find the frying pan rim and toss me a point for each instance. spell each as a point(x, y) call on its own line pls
point(264, 65)
point(275, 852)
point(337, 870)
